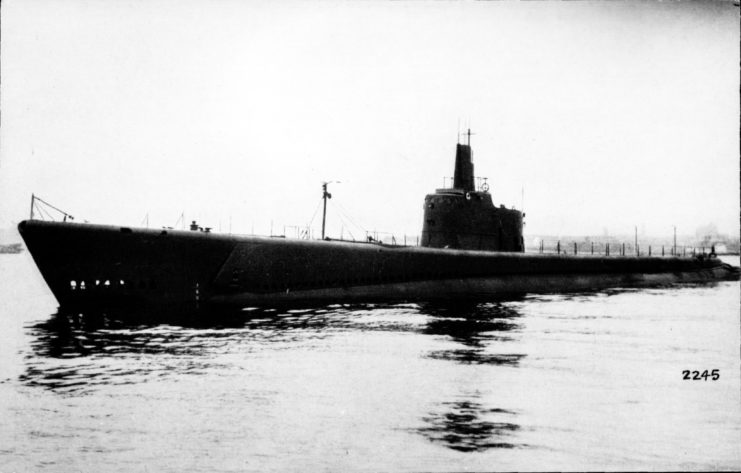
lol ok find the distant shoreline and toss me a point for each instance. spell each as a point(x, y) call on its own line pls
point(11, 248)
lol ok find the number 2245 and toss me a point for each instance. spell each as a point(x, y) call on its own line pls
point(696, 375)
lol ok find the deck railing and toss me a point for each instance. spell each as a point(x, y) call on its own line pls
point(566, 247)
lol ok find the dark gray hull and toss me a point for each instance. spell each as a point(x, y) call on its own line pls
point(118, 267)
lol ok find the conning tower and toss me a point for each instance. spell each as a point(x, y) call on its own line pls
point(465, 218)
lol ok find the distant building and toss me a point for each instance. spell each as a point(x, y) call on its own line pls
point(708, 235)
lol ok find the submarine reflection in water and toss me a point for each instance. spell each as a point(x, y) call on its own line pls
point(466, 423)
point(469, 426)
point(82, 353)
point(474, 327)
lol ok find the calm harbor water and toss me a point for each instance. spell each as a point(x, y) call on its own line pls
point(558, 382)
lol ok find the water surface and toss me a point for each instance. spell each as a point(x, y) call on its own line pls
point(580, 381)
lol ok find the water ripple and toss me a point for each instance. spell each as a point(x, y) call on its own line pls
point(469, 426)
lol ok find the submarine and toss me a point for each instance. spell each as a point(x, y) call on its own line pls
point(469, 249)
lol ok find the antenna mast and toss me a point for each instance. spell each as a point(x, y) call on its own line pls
point(325, 195)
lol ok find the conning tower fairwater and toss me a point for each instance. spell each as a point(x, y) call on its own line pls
point(465, 218)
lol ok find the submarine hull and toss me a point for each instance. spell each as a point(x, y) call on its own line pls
point(490, 288)
point(106, 267)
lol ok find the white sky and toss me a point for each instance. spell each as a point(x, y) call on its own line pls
point(609, 114)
